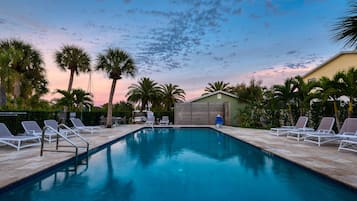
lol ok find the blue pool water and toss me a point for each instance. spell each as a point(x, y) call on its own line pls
point(182, 165)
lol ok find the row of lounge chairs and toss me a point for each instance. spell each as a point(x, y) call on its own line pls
point(150, 119)
point(33, 132)
point(347, 136)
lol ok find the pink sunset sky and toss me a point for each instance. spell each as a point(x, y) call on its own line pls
point(188, 43)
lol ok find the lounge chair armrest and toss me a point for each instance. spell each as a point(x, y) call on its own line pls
point(305, 129)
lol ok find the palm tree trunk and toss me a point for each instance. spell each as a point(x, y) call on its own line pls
point(110, 104)
point(70, 83)
point(291, 115)
point(350, 108)
point(336, 115)
point(143, 105)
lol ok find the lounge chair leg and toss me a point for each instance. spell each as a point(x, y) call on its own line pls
point(18, 145)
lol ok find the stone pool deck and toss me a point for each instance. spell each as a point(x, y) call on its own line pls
point(341, 166)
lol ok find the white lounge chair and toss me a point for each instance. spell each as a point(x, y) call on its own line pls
point(300, 125)
point(325, 127)
point(150, 119)
point(349, 139)
point(32, 128)
point(349, 144)
point(164, 120)
point(80, 127)
point(17, 142)
point(348, 129)
point(65, 131)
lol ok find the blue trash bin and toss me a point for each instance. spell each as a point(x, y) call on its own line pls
point(219, 121)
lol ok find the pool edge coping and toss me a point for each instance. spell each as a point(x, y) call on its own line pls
point(41, 172)
point(26, 179)
point(321, 173)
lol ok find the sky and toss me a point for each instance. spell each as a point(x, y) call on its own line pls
point(185, 42)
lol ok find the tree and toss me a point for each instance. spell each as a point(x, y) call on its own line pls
point(6, 55)
point(271, 107)
point(348, 81)
point(171, 94)
point(286, 94)
point(22, 70)
point(346, 27)
point(81, 99)
point(74, 59)
point(123, 106)
point(248, 93)
point(75, 99)
point(304, 93)
point(331, 90)
point(116, 63)
point(217, 86)
point(67, 99)
point(145, 92)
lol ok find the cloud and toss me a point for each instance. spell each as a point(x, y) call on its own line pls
point(183, 33)
point(271, 6)
point(279, 73)
point(237, 11)
point(255, 16)
point(266, 25)
point(2, 21)
point(291, 52)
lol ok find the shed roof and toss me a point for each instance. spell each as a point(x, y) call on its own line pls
point(212, 94)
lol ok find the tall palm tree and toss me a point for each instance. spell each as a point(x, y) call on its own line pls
point(74, 59)
point(331, 90)
point(145, 92)
point(346, 27)
point(286, 94)
point(171, 94)
point(349, 86)
point(217, 86)
point(116, 63)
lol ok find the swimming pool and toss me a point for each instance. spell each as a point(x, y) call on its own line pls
point(182, 164)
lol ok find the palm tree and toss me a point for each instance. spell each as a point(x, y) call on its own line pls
point(346, 28)
point(5, 59)
point(116, 63)
point(248, 93)
point(331, 90)
point(271, 106)
point(22, 68)
point(67, 99)
point(286, 94)
point(74, 59)
point(304, 93)
point(82, 99)
point(349, 86)
point(145, 92)
point(171, 94)
point(217, 86)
